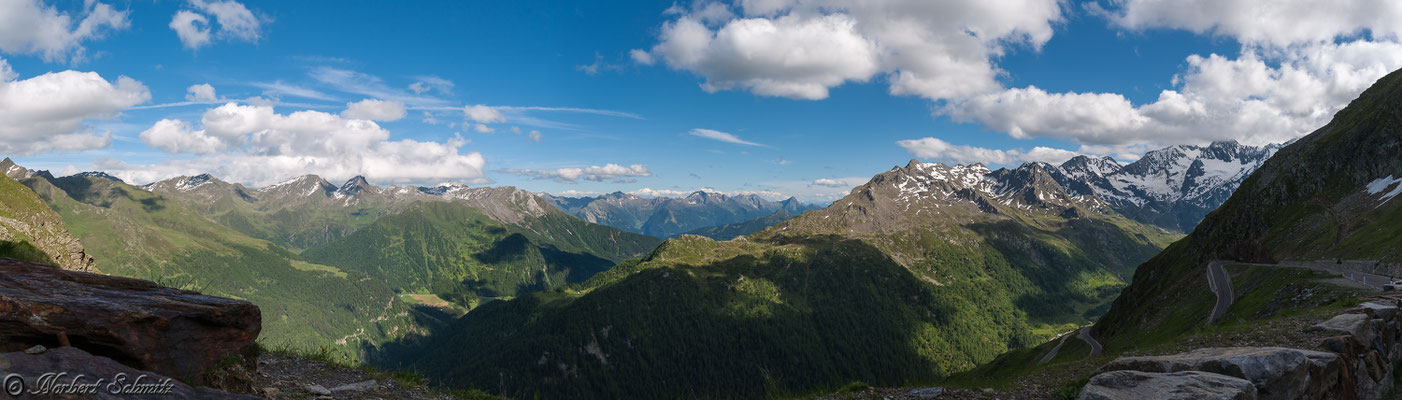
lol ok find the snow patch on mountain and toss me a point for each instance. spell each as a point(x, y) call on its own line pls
point(1381, 184)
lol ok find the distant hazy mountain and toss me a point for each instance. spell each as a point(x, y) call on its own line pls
point(925, 270)
point(1173, 187)
point(670, 216)
point(731, 231)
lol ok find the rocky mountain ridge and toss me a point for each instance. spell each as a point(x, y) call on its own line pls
point(672, 216)
point(26, 220)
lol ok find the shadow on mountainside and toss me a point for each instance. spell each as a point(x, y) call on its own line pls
point(747, 326)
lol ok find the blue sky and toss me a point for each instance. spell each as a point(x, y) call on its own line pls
point(778, 97)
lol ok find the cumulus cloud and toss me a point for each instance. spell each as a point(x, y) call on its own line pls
point(30, 27)
point(832, 183)
point(721, 136)
point(1263, 96)
point(375, 110)
point(802, 48)
point(534, 136)
point(483, 128)
point(257, 146)
point(615, 172)
point(235, 22)
point(936, 149)
point(200, 92)
point(1278, 23)
point(483, 114)
point(174, 136)
point(47, 112)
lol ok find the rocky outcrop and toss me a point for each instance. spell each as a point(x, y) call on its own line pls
point(1359, 351)
point(1185, 385)
point(140, 324)
point(24, 217)
point(90, 377)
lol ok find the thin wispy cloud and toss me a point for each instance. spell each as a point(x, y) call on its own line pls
point(723, 137)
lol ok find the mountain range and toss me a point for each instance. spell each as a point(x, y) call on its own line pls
point(339, 268)
point(670, 216)
point(925, 270)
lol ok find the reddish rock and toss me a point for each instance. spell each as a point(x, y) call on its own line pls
point(137, 323)
point(86, 376)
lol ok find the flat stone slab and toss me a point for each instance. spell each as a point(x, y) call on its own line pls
point(134, 322)
point(1276, 372)
point(1184, 385)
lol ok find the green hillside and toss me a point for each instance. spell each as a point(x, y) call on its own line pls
point(731, 231)
point(138, 234)
point(848, 293)
point(454, 251)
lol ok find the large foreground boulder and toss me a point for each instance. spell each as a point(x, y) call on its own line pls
point(1276, 372)
point(1186, 385)
point(86, 376)
point(137, 323)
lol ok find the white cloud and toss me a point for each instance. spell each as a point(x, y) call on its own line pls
point(1263, 96)
point(428, 83)
point(721, 136)
point(257, 146)
point(802, 48)
point(483, 128)
point(641, 56)
point(650, 192)
point(374, 110)
point(235, 22)
point(46, 113)
point(833, 183)
point(200, 92)
point(1278, 23)
point(30, 27)
point(534, 136)
point(372, 86)
point(483, 114)
point(516, 130)
point(192, 28)
point(934, 148)
point(279, 88)
point(609, 171)
point(174, 136)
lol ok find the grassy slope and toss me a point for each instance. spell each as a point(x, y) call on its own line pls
point(18, 202)
point(452, 250)
point(134, 233)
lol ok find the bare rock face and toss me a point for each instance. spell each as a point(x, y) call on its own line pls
point(1185, 385)
point(1277, 372)
point(86, 376)
point(137, 323)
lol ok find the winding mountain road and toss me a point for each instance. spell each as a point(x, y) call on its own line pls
point(1052, 354)
point(1085, 335)
point(1221, 285)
